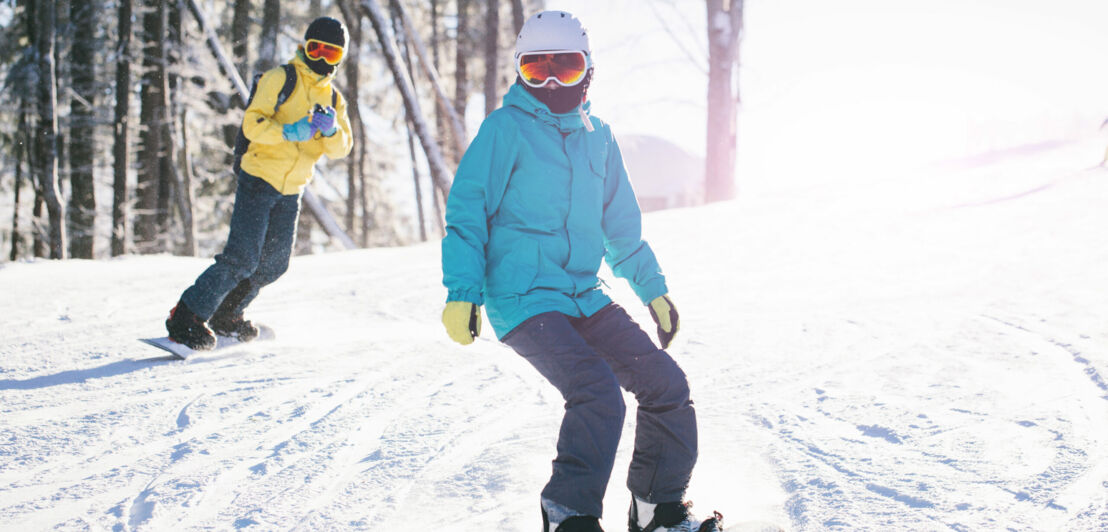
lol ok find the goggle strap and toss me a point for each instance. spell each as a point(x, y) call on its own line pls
point(585, 118)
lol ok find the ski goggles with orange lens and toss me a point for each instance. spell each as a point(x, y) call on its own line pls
point(316, 50)
point(565, 68)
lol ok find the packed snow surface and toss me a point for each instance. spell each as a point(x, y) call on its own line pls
point(924, 349)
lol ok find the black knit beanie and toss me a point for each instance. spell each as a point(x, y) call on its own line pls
point(328, 30)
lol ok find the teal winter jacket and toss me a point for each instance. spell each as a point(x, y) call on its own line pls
point(537, 201)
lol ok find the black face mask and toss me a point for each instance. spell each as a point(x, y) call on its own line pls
point(562, 99)
point(319, 66)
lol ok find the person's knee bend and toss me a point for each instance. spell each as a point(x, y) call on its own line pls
point(240, 265)
point(604, 393)
point(669, 387)
point(270, 272)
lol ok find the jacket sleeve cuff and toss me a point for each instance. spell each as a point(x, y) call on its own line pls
point(468, 295)
point(650, 291)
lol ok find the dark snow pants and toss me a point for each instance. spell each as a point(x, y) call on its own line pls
point(587, 360)
point(263, 231)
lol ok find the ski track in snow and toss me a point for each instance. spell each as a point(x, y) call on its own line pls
point(934, 360)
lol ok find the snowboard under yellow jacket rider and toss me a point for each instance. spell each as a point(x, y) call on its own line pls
point(285, 164)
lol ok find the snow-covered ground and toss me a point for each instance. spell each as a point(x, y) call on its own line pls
point(924, 351)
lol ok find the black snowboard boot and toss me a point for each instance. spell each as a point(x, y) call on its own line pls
point(580, 523)
point(228, 320)
point(669, 517)
point(188, 329)
point(577, 523)
point(233, 326)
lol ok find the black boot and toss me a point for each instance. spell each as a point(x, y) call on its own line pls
point(234, 327)
point(669, 516)
point(578, 523)
point(228, 321)
point(188, 329)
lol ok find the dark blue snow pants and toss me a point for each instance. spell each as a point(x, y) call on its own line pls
point(263, 231)
point(587, 360)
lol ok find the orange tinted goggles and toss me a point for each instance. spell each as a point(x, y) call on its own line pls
point(565, 68)
point(316, 50)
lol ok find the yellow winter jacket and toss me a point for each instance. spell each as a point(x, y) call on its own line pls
point(288, 165)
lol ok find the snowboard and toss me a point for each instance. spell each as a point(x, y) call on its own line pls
point(222, 343)
point(752, 526)
point(723, 525)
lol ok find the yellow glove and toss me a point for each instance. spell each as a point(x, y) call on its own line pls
point(665, 315)
point(462, 320)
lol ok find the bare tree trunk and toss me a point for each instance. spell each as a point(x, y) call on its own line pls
point(725, 22)
point(400, 29)
point(432, 74)
point(15, 211)
point(267, 48)
point(121, 148)
point(435, 39)
point(330, 226)
point(439, 202)
point(440, 175)
point(85, 17)
point(48, 130)
point(188, 172)
point(176, 136)
point(363, 202)
point(39, 230)
point(418, 189)
point(461, 59)
point(30, 99)
point(440, 123)
point(240, 36)
point(182, 184)
point(303, 243)
point(353, 73)
point(167, 77)
point(147, 228)
point(20, 134)
point(492, 54)
point(225, 64)
point(517, 15)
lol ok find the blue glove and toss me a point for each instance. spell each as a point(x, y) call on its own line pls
point(324, 120)
point(299, 131)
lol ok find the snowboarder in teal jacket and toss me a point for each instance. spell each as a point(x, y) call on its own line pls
point(540, 197)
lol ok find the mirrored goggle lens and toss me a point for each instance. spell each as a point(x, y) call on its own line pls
point(328, 52)
point(568, 68)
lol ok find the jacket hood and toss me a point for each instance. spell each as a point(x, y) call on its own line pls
point(519, 98)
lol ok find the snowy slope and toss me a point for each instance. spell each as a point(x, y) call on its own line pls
point(924, 351)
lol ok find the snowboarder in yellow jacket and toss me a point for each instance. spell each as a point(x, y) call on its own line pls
point(287, 132)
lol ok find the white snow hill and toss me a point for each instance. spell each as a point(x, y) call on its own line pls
point(923, 351)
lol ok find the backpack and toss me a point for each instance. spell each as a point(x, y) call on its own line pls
point(241, 142)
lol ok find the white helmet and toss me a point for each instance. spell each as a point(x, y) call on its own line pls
point(550, 31)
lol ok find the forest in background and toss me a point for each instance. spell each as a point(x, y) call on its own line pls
point(118, 117)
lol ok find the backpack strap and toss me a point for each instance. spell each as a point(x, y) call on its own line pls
point(290, 85)
point(241, 142)
point(287, 88)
